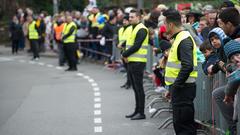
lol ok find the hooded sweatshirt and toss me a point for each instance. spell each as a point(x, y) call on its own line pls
point(220, 51)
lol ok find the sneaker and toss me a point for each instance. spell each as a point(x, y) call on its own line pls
point(160, 90)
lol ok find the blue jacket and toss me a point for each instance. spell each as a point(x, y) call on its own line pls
point(212, 59)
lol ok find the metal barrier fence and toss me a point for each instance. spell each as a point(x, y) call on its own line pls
point(206, 109)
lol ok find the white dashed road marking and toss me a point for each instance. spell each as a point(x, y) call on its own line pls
point(97, 99)
point(59, 68)
point(98, 120)
point(94, 84)
point(49, 65)
point(97, 112)
point(97, 103)
point(96, 89)
point(98, 129)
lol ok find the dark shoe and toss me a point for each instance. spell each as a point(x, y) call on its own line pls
point(127, 87)
point(138, 116)
point(131, 115)
point(123, 86)
point(69, 69)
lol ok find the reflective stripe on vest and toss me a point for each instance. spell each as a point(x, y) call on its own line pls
point(71, 38)
point(141, 54)
point(173, 65)
point(32, 31)
point(58, 31)
point(178, 66)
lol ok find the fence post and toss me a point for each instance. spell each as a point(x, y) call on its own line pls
point(149, 60)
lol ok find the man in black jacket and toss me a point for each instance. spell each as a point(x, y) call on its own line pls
point(135, 56)
point(181, 74)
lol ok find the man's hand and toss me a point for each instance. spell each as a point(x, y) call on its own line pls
point(221, 64)
point(209, 69)
point(167, 95)
point(119, 45)
point(228, 99)
point(125, 59)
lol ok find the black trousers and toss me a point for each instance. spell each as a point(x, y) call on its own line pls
point(70, 53)
point(136, 70)
point(61, 56)
point(35, 47)
point(15, 46)
point(128, 75)
point(183, 108)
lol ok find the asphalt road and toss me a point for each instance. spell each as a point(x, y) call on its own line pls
point(40, 98)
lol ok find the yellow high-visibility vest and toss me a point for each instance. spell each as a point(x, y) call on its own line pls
point(93, 18)
point(71, 38)
point(32, 31)
point(123, 34)
point(174, 65)
point(141, 54)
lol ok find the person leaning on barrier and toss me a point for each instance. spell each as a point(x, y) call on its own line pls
point(181, 73)
point(123, 33)
point(69, 43)
point(136, 57)
point(229, 21)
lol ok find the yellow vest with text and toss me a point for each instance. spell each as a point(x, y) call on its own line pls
point(32, 31)
point(93, 18)
point(141, 54)
point(123, 34)
point(71, 38)
point(174, 65)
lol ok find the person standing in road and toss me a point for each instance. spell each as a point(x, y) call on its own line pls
point(33, 37)
point(123, 33)
point(58, 30)
point(136, 57)
point(181, 74)
point(69, 43)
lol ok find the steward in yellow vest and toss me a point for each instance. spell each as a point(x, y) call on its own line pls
point(174, 65)
point(69, 43)
point(136, 57)
point(181, 74)
point(123, 33)
point(33, 36)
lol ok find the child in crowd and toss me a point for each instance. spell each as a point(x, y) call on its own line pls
point(210, 56)
point(159, 69)
point(217, 39)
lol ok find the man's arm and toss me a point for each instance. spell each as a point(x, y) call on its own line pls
point(69, 33)
point(185, 55)
point(141, 35)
